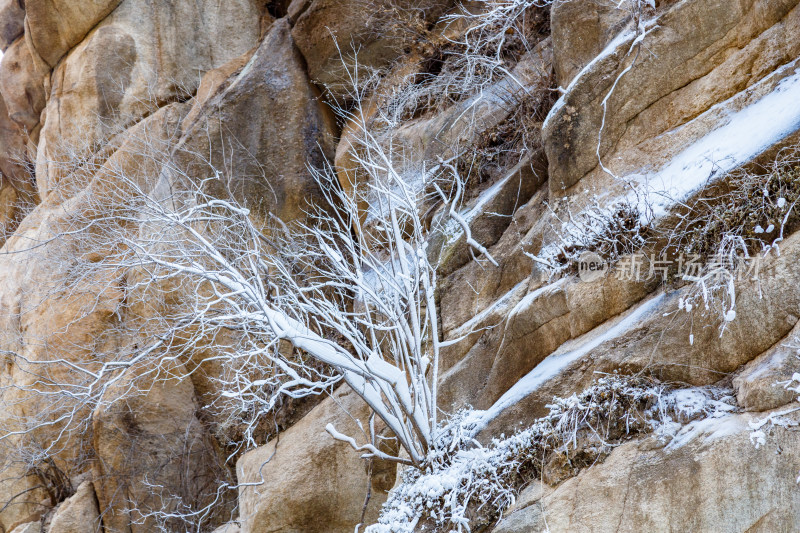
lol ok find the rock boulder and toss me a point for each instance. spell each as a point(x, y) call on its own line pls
point(305, 481)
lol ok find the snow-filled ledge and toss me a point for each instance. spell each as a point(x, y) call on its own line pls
point(555, 363)
point(742, 131)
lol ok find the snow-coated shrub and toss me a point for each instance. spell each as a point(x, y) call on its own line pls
point(748, 214)
point(481, 45)
point(465, 486)
point(731, 227)
point(610, 231)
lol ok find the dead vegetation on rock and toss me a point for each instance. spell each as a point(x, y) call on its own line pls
point(466, 486)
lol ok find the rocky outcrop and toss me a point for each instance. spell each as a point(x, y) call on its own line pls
point(78, 513)
point(330, 483)
point(228, 528)
point(12, 22)
point(651, 92)
point(653, 96)
point(650, 486)
point(17, 191)
point(55, 26)
point(154, 454)
point(153, 451)
point(262, 129)
point(158, 56)
point(28, 527)
point(658, 342)
point(330, 32)
point(761, 384)
point(581, 30)
point(23, 85)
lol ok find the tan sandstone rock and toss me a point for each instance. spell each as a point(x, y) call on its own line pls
point(691, 59)
point(305, 481)
point(13, 148)
point(78, 513)
point(447, 133)
point(710, 477)
point(17, 193)
point(12, 22)
point(760, 384)
point(55, 26)
point(671, 344)
point(44, 317)
point(28, 527)
point(137, 59)
point(154, 454)
point(228, 528)
point(22, 85)
point(537, 326)
point(488, 216)
point(261, 130)
point(378, 29)
point(581, 30)
point(488, 285)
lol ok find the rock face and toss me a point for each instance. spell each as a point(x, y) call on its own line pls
point(113, 109)
point(581, 30)
point(652, 99)
point(153, 450)
point(55, 26)
point(267, 111)
point(28, 527)
point(78, 513)
point(22, 84)
point(761, 383)
point(157, 61)
point(646, 486)
point(673, 83)
point(17, 192)
point(329, 482)
point(327, 33)
point(12, 22)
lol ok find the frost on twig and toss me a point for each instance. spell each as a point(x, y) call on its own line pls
point(731, 228)
point(470, 50)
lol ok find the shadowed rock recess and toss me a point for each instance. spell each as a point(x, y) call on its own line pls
point(632, 129)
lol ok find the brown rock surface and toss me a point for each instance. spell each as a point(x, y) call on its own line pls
point(228, 528)
point(261, 130)
point(55, 26)
point(378, 29)
point(78, 513)
point(28, 527)
point(212, 85)
point(17, 194)
point(12, 22)
point(134, 61)
point(694, 58)
point(43, 318)
point(709, 478)
point(449, 132)
point(22, 85)
point(581, 30)
point(659, 342)
point(327, 479)
point(154, 454)
point(760, 384)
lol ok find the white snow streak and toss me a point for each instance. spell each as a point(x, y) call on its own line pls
point(607, 51)
point(557, 362)
point(744, 135)
point(709, 429)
